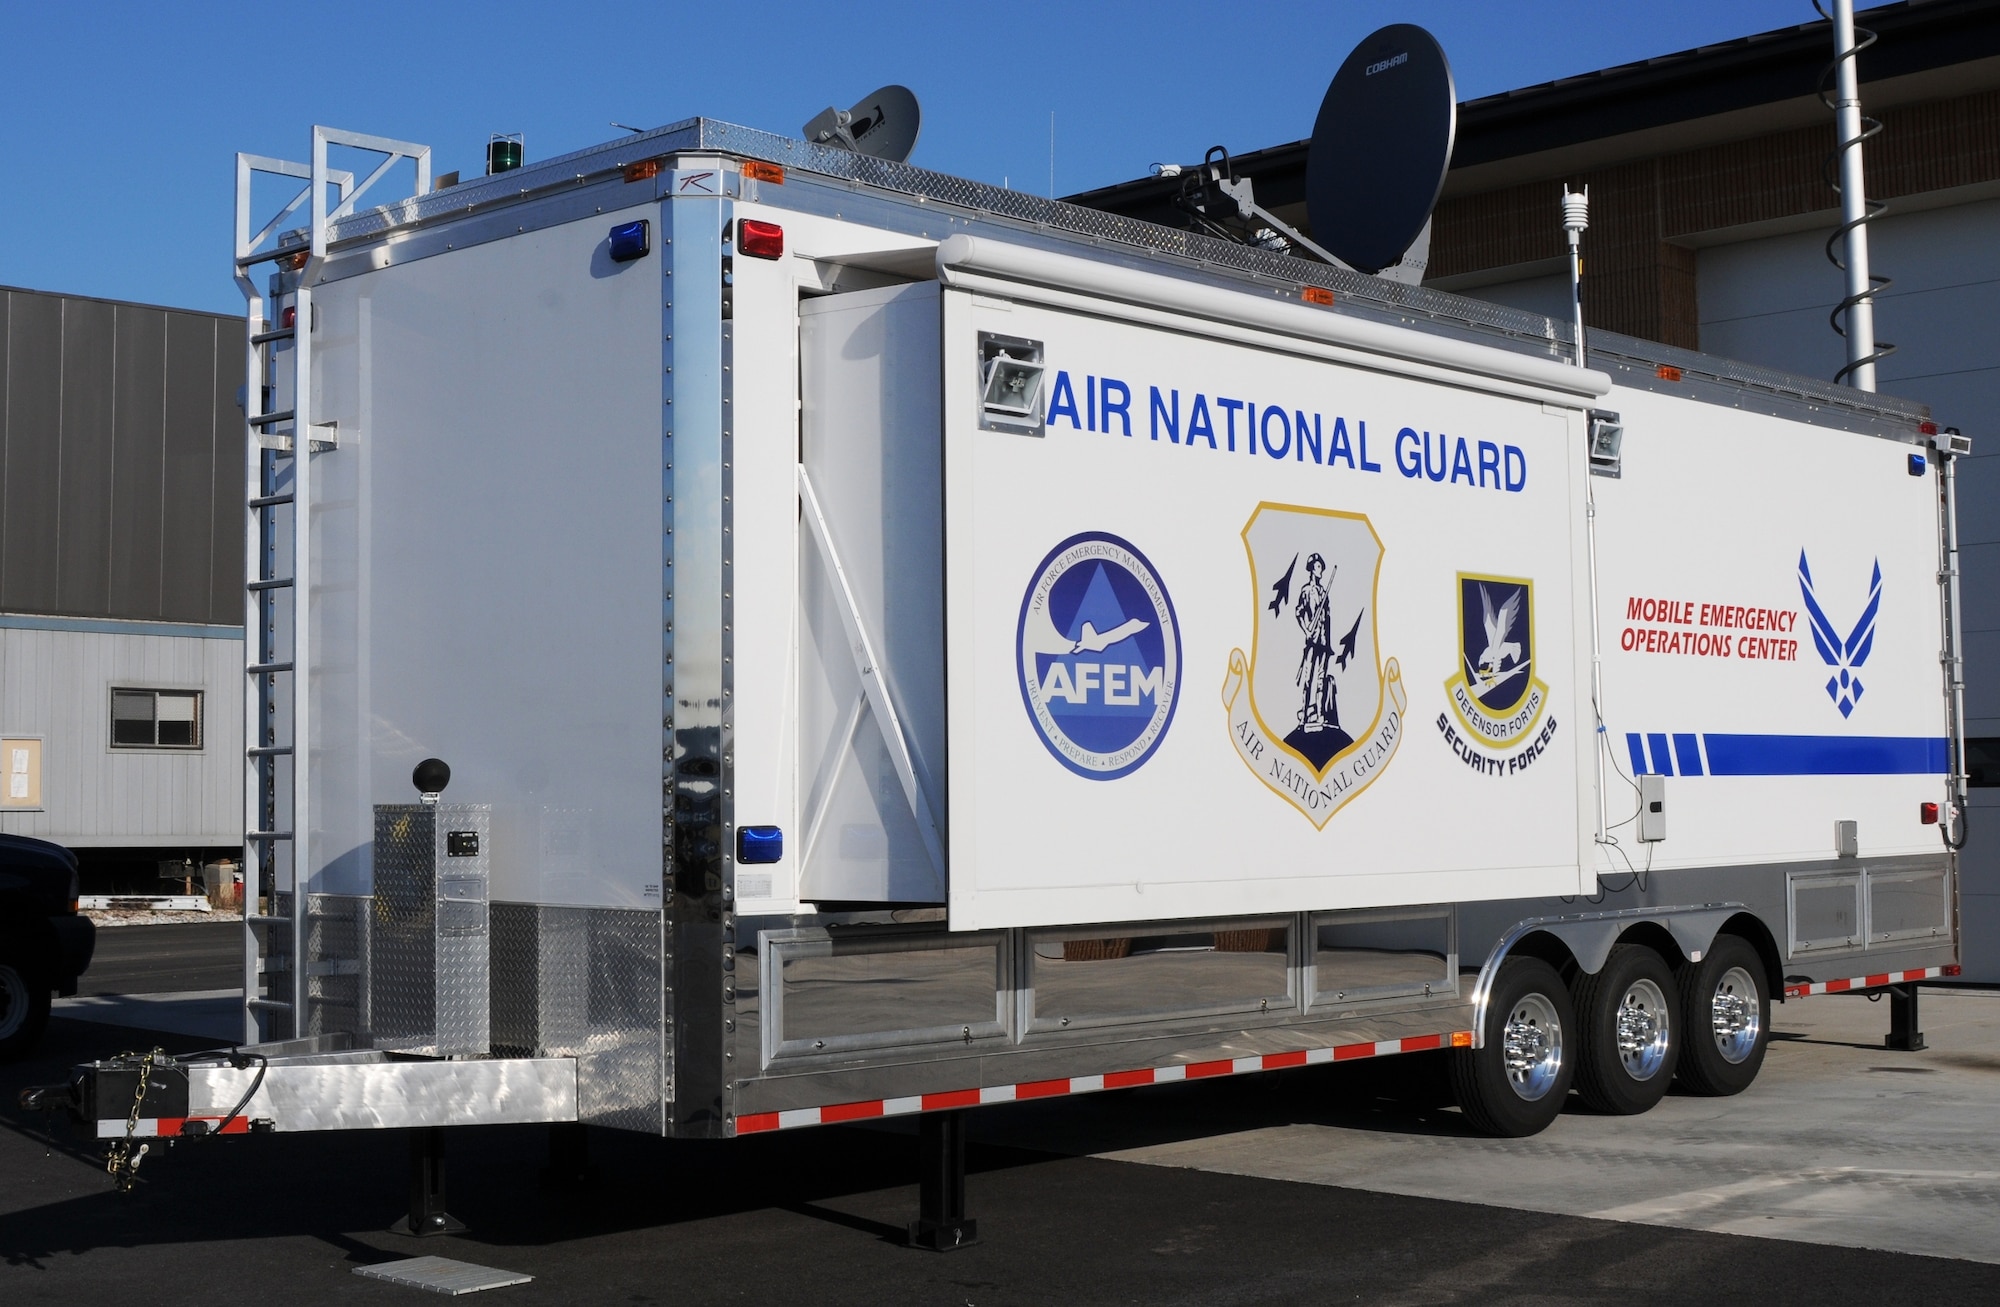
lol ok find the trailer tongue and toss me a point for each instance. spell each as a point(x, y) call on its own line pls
point(903, 645)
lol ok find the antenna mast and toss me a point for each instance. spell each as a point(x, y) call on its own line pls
point(1853, 128)
point(1576, 217)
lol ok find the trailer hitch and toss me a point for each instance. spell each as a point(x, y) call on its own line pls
point(66, 1097)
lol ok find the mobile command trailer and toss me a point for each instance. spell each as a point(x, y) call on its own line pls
point(902, 644)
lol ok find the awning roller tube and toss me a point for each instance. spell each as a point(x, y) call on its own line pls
point(1065, 272)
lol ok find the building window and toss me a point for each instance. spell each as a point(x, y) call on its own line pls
point(1982, 762)
point(156, 719)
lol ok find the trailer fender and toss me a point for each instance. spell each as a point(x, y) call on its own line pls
point(1590, 937)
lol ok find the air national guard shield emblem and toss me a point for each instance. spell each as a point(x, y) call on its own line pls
point(1313, 710)
point(1495, 691)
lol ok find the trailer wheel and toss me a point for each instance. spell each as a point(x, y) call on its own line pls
point(1728, 1017)
point(1628, 1032)
point(1515, 1084)
point(24, 1009)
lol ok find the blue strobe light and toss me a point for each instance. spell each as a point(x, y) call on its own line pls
point(631, 240)
point(758, 844)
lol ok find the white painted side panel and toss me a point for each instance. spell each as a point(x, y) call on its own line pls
point(487, 579)
point(1714, 513)
point(57, 684)
point(1217, 818)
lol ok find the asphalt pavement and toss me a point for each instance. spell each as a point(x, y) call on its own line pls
point(154, 959)
point(1840, 1140)
point(815, 1216)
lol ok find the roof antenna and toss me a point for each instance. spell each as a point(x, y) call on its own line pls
point(636, 131)
point(1576, 217)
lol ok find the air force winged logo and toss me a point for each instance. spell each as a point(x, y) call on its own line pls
point(1495, 691)
point(1845, 656)
point(1313, 710)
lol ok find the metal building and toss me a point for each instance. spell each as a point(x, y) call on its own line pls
point(121, 565)
point(1711, 210)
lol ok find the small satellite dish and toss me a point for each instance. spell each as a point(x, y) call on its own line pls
point(1380, 147)
point(884, 125)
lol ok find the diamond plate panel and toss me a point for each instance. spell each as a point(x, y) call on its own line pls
point(429, 985)
point(541, 972)
point(621, 1067)
point(403, 944)
point(585, 983)
point(337, 930)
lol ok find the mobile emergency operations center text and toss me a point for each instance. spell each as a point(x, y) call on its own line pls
point(901, 644)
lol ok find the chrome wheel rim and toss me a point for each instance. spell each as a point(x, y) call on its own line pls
point(1531, 1046)
point(13, 1002)
point(1736, 1014)
point(1644, 1030)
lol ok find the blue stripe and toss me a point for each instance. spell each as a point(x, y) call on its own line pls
point(1663, 763)
point(1827, 755)
point(1687, 752)
point(1638, 753)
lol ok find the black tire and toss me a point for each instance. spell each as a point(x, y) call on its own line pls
point(1522, 1100)
point(1721, 996)
point(1629, 1032)
point(24, 1009)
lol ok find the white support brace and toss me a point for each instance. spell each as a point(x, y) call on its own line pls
point(868, 666)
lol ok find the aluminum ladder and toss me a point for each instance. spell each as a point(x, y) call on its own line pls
point(277, 557)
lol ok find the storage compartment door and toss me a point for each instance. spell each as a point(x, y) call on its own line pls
point(871, 593)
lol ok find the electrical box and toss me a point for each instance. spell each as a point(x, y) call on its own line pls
point(1652, 809)
point(1847, 839)
point(430, 948)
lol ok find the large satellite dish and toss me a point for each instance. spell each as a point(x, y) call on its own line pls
point(1380, 147)
point(883, 125)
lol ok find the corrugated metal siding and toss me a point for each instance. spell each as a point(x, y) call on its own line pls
point(30, 497)
point(121, 454)
point(57, 684)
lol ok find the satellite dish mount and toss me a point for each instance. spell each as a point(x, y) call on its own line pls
point(1218, 200)
point(883, 125)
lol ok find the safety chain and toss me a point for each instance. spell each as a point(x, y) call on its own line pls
point(122, 1164)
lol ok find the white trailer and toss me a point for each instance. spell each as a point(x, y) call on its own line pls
point(901, 644)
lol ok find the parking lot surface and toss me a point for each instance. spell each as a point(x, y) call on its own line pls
point(1336, 1184)
point(1840, 1141)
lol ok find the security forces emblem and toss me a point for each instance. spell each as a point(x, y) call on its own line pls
point(1098, 651)
point(1314, 711)
point(1495, 693)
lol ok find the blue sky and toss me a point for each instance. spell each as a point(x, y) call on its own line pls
point(119, 121)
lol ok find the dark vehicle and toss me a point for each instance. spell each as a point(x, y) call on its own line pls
point(45, 944)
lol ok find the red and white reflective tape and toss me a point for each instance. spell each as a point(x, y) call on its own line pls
point(757, 1122)
point(169, 1127)
point(1868, 982)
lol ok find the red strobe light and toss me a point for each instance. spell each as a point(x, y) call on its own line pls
point(760, 240)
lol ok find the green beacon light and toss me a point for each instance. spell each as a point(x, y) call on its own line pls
point(503, 152)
